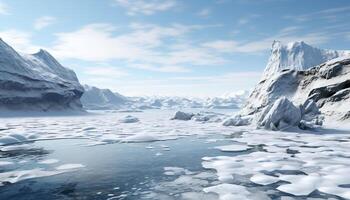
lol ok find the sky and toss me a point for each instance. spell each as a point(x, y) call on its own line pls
point(198, 48)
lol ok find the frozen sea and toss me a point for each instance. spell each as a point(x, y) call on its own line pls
point(145, 155)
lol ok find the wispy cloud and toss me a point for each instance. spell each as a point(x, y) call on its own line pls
point(4, 9)
point(105, 71)
point(175, 69)
point(43, 22)
point(146, 7)
point(20, 40)
point(205, 12)
point(148, 46)
point(214, 85)
point(288, 34)
point(329, 14)
point(247, 19)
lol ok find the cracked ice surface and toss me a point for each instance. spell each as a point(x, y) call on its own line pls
point(103, 128)
point(302, 163)
point(292, 164)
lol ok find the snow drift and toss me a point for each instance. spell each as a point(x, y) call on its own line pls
point(36, 82)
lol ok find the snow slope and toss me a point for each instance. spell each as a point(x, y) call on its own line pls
point(326, 83)
point(36, 82)
point(98, 99)
point(297, 55)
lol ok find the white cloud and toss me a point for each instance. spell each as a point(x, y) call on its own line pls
point(247, 19)
point(330, 14)
point(205, 12)
point(285, 35)
point(146, 7)
point(192, 86)
point(222, 45)
point(19, 40)
point(176, 69)
point(4, 9)
point(104, 71)
point(165, 48)
point(43, 22)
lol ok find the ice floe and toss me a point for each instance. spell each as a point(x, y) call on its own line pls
point(129, 119)
point(48, 161)
point(233, 147)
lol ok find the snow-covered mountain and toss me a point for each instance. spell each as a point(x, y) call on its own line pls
point(104, 99)
point(297, 55)
point(283, 81)
point(326, 83)
point(224, 102)
point(98, 99)
point(36, 82)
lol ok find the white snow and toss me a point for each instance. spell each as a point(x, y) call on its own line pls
point(99, 99)
point(229, 191)
point(4, 163)
point(282, 114)
point(129, 119)
point(299, 73)
point(233, 147)
point(69, 166)
point(324, 154)
point(263, 179)
point(297, 55)
point(321, 158)
point(48, 161)
point(183, 116)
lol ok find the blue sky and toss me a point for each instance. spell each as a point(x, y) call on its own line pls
point(170, 47)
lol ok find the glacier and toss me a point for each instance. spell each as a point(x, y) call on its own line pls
point(36, 82)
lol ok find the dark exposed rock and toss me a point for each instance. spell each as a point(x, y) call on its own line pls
point(36, 82)
point(328, 91)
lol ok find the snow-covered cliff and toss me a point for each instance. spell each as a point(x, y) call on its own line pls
point(99, 99)
point(36, 82)
point(297, 55)
point(304, 75)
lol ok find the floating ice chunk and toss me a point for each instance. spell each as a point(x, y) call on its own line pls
point(16, 147)
point(208, 117)
point(182, 116)
point(175, 171)
point(69, 166)
point(129, 119)
point(238, 120)
point(233, 147)
point(15, 176)
point(49, 161)
point(4, 163)
point(141, 137)
point(280, 115)
point(263, 179)
point(300, 185)
point(229, 191)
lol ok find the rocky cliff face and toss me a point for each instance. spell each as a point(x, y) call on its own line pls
point(326, 84)
point(36, 82)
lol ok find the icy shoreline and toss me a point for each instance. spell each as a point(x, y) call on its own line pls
point(294, 162)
